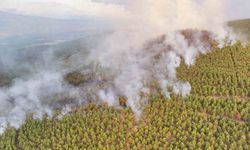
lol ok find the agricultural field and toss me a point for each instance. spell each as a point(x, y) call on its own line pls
point(215, 116)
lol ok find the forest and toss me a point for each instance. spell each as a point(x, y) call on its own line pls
point(216, 115)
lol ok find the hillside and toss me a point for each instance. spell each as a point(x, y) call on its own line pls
point(215, 116)
point(241, 27)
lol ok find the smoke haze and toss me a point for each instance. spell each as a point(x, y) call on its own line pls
point(146, 43)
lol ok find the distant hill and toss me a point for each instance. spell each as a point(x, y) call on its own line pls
point(13, 24)
point(18, 31)
point(241, 27)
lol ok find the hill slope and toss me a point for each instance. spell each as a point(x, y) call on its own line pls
point(215, 116)
point(241, 27)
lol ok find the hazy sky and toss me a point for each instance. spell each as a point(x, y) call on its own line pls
point(238, 8)
point(60, 8)
point(235, 9)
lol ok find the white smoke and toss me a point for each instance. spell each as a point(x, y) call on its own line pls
point(125, 53)
point(146, 45)
point(32, 96)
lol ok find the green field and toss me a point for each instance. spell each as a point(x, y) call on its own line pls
point(215, 116)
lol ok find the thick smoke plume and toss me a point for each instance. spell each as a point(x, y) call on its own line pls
point(147, 43)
